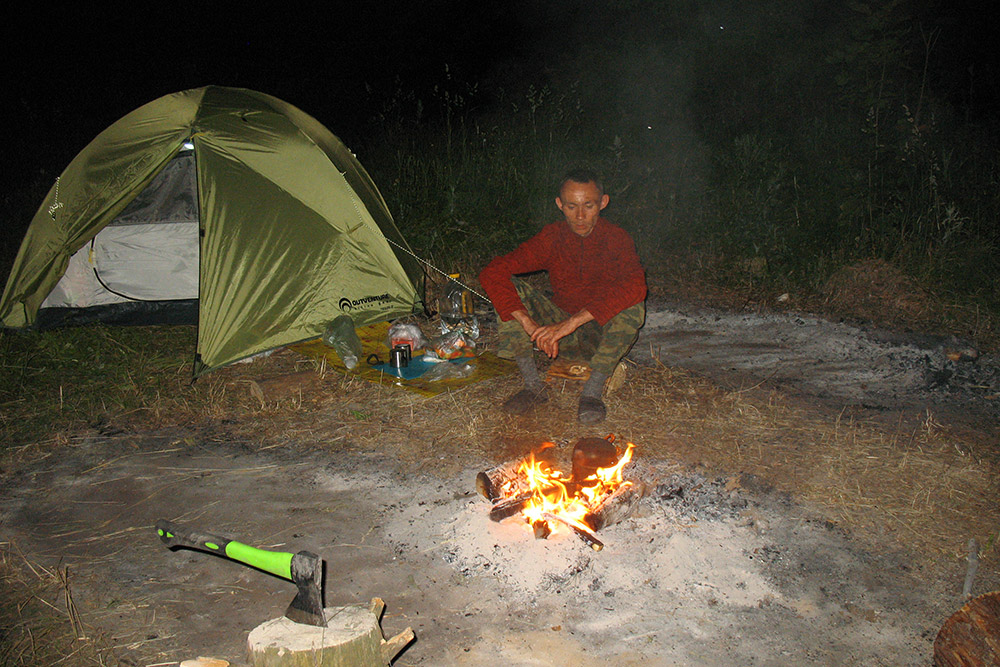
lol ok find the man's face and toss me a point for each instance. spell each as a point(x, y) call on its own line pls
point(581, 203)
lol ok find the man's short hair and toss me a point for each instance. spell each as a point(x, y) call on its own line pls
point(581, 176)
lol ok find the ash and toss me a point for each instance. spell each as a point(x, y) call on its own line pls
point(835, 361)
point(696, 498)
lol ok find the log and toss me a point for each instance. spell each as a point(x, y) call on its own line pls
point(616, 507)
point(490, 482)
point(971, 637)
point(584, 536)
point(510, 507)
point(352, 636)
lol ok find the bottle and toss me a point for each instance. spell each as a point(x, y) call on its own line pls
point(457, 309)
point(342, 336)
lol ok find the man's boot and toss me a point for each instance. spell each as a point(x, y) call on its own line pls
point(534, 392)
point(591, 409)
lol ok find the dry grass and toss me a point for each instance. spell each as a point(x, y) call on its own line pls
point(871, 291)
point(876, 290)
point(39, 622)
point(922, 487)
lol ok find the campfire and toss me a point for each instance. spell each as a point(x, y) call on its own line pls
point(594, 494)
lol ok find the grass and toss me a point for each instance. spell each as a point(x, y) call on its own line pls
point(59, 383)
point(39, 622)
point(764, 209)
point(96, 377)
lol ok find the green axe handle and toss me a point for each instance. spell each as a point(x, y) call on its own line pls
point(276, 562)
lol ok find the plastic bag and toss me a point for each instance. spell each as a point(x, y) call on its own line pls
point(406, 334)
point(342, 336)
point(454, 345)
point(457, 310)
point(454, 371)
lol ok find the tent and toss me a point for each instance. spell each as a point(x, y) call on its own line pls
point(223, 206)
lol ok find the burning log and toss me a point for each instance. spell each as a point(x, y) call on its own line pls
point(541, 529)
point(506, 479)
point(510, 506)
point(588, 539)
point(619, 505)
point(592, 497)
point(490, 483)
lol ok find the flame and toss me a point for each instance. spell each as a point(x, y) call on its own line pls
point(569, 501)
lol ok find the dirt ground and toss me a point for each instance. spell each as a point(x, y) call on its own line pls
point(716, 567)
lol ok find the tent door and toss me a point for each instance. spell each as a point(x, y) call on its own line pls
point(149, 253)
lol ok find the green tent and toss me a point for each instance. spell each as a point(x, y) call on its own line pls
point(230, 202)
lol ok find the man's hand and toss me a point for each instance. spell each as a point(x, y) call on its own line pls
point(524, 319)
point(547, 337)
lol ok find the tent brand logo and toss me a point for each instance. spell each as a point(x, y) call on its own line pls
point(348, 305)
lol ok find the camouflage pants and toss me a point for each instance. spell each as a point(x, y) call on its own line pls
point(601, 347)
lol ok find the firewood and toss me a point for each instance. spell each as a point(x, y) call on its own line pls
point(584, 536)
point(490, 482)
point(510, 507)
point(616, 507)
point(971, 636)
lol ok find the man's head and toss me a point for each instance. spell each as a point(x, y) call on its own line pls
point(581, 199)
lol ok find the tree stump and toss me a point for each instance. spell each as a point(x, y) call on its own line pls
point(971, 637)
point(352, 636)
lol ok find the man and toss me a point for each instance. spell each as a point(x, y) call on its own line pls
point(598, 302)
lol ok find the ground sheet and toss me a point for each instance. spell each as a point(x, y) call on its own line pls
point(485, 365)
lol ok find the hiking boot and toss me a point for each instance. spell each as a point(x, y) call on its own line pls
point(591, 410)
point(525, 401)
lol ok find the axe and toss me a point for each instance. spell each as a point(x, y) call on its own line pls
point(304, 569)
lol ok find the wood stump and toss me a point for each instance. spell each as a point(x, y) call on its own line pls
point(352, 637)
point(971, 637)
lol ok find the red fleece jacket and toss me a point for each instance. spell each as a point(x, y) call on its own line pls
point(599, 272)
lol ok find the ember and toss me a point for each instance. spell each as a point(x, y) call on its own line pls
point(594, 495)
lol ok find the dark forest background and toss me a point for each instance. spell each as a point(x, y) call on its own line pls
point(772, 142)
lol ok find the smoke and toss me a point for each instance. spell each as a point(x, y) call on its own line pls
point(631, 63)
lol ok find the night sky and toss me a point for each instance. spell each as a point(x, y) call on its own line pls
point(74, 77)
point(75, 70)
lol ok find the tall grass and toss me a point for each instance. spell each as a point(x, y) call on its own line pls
point(852, 157)
point(65, 379)
point(469, 174)
point(855, 157)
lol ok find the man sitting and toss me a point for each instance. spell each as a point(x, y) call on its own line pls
point(598, 302)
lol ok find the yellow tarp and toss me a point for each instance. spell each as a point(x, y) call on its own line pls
point(487, 365)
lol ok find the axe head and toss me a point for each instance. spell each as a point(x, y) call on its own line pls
point(307, 574)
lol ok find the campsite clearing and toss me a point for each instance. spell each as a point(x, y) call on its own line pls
point(811, 531)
